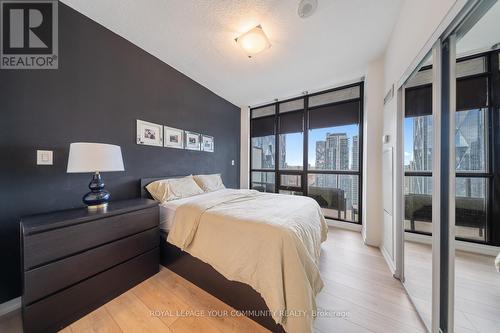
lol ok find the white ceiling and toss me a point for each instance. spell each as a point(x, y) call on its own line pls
point(196, 37)
point(484, 34)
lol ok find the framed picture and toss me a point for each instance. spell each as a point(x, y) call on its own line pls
point(192, 140)
point(173, 137)
point(149, 133)
point(207, 143)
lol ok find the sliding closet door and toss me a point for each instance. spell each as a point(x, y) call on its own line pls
point(417, 125)
point(451, 221)
point(429, 176)
point(475, 305)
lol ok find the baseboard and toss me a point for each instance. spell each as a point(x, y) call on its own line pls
point(344, 225)
point(388, 259)
point(476, 248)
point(370, 243)
point(10, 306)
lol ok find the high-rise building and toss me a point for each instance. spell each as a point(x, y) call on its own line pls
point(320, 162)
point(282, 152)
point(469, 152)
point(333, 154)
point(422, 155)
point(263, 152)
point(337, 151)
point(355, 167)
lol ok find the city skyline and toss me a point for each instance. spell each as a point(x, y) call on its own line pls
point(334, 149)
point(470, 151)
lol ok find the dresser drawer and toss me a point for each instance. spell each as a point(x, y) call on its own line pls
point(59, 243)
point(59, 310)
point(45, 280)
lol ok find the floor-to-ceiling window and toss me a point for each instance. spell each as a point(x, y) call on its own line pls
point(312, 145)
point(263, 149)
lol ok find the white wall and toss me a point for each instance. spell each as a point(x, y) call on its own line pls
point(244, 149)
point(372, 153)
point(417, 22)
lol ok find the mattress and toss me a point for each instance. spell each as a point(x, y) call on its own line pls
point(167, 209)
point(271, 242)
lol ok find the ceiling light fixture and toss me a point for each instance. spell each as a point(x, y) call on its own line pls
point(253, 41)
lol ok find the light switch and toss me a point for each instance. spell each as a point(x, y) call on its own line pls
point(44, 157)
point(232, 162)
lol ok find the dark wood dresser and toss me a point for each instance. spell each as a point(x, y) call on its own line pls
point(76, 260)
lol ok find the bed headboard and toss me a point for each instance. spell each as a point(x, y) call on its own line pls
point(146, 181)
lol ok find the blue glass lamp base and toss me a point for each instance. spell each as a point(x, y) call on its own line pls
point(98, 197)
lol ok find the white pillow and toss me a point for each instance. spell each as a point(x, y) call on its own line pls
point(209, 183)
point(173, 188)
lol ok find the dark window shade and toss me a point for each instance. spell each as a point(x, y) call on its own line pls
point(418, 101)
point(262, 127)
point(335, 115)
point(292, 122)
point(472, 93)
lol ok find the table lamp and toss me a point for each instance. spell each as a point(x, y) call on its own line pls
point(95, 157)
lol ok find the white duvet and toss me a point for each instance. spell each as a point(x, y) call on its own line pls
point(271, 242)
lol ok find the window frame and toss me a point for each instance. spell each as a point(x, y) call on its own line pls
point(304, 172)
point(492, 140)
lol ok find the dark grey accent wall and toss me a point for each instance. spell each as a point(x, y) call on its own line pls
point(103, 84)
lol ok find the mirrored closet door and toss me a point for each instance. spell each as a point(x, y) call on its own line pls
point(450, 159)
point(476, 287)
point(418, 142)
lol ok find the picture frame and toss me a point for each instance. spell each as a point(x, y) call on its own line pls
point(192, 140)
point(207, 143)
point(149, 134)
point(173, 137)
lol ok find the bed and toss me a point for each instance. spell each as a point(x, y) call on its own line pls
point(249, 250)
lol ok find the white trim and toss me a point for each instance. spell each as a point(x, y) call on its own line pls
point(370, 243)
point(398, 201)
point(388, 259)
point(343, 225)
point(10, 306)
point(487, 250)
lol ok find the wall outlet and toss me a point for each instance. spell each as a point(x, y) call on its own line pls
point(44, 157)
point(232, 162)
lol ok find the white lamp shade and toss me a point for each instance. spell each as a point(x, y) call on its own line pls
point(254, 41)
point(94, 157)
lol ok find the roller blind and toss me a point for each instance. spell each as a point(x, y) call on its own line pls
point(262, 127)
point(335, 115)
point(418, 101)
point(292, 122)
point(472, 93)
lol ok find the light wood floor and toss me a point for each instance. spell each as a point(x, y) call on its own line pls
point(357, 282)
point(477, 288)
